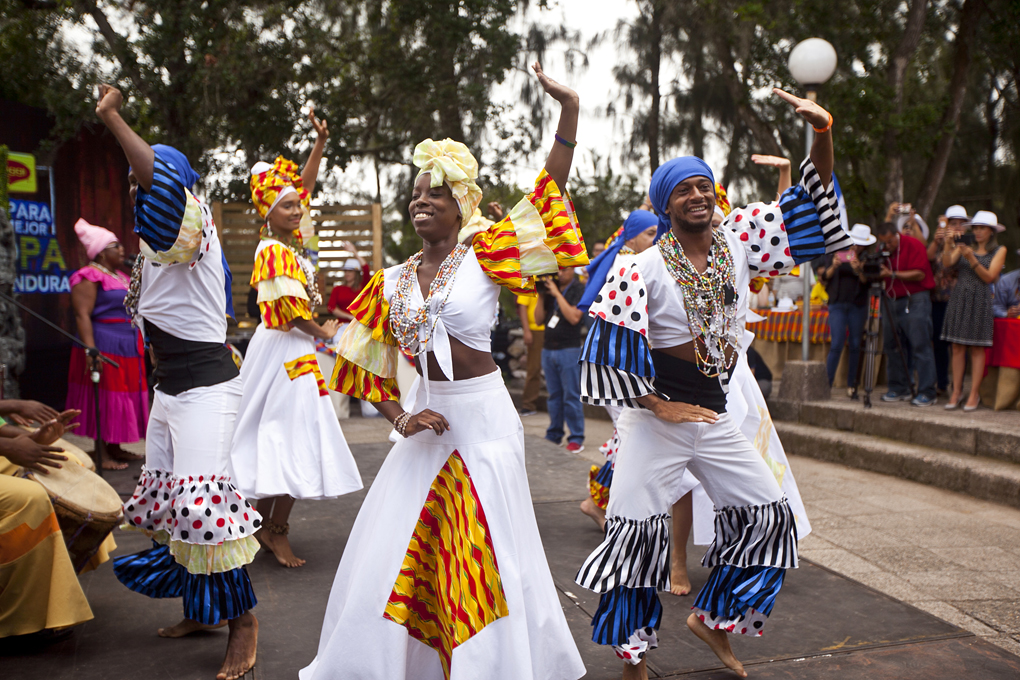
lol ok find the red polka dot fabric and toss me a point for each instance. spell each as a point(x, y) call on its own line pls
point(763, 235)
point(637, 645)
point(623, 300)
point(752, 623)
point(204, 510)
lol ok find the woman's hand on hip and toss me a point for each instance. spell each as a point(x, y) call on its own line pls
point(427, 420)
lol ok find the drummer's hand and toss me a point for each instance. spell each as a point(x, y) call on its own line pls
point(426, 420)
point(54, 429)
point(31, 455)
point(26, 411)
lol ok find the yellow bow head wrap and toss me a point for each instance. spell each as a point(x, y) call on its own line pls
point(721, 200)
point(451, 162)
point(270, 183)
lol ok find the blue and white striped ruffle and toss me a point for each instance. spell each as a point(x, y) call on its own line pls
point(634, 553)
point(754, 535)
point(738, 599)
point(624, 610)
point(616, 366)
point(159, 212)
point(803, 230)
point(827, 204)
point(208, 598)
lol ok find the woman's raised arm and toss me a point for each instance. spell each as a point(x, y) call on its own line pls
point(557, 164)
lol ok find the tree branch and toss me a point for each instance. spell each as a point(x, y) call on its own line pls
point(118, 45)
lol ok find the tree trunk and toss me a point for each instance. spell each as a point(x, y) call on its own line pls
point(118, 45)
point(897, 70)
point(697, 133)
point(733, 155)
point(654, 63)
point(970, 17)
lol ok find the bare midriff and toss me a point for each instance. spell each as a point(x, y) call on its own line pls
point(467, 363)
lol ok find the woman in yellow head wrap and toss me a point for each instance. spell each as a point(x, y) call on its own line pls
point(287, 442)
point(446, 549)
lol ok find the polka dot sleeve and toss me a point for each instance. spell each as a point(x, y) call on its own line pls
point(616, 363)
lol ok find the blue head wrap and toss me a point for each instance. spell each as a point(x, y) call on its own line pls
point(665, 179)
point(175, 158)
point(598, 270)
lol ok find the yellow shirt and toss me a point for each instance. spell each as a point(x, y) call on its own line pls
point(531, 302)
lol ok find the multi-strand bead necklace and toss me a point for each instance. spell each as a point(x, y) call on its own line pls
point(407, 326)
point(709, 301)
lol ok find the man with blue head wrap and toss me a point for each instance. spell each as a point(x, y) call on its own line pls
point(666, 341)
point(185, 498)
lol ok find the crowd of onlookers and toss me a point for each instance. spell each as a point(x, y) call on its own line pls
point(943, 291)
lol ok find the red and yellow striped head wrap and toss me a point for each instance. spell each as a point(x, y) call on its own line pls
point(270, 183)
point(451, 162)
point(721, 200)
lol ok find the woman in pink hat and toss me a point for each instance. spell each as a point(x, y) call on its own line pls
point(97, 295)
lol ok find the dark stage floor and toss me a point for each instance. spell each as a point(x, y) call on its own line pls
point(824, 626)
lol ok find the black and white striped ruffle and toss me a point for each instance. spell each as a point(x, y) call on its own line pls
point(754, 535)
point(635, 554)
point(608, 386)
point(828, 207)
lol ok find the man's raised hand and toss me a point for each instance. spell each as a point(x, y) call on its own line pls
point(805, 108)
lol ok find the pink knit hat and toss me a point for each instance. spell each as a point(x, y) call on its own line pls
point(95, 239)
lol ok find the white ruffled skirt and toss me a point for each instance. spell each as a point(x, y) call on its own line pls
point(444, 574)
point(288, 440)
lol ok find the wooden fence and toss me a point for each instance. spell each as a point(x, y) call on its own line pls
point(239, 225)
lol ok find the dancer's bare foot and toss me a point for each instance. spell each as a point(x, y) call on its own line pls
point(679, 582)
point(589, 508)
point(632, 672)
point(117, 453)
point(241, 647)
point(280, 547)
point(186, 627)
point(718, 641)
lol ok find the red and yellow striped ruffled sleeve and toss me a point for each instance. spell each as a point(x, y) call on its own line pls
point(538, 236)
point(366, 355)
point(281, 284)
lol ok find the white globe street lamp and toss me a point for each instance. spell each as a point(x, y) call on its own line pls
point(812, 62)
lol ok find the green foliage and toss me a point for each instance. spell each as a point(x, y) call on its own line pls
point(603, 199)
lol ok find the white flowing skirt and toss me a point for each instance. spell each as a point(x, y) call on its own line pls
point(288, 440)
point(530, 638)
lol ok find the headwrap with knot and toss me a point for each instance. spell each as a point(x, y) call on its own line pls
point(598, 270)
point(451, 162)
point(271, 183)
point(665, 179)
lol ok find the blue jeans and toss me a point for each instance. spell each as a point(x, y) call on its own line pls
point(914, 328)
point(938, 315)
point(563, 380)
point(844, 316)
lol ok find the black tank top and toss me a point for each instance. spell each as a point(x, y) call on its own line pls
point(185, 364)
point(682, 381)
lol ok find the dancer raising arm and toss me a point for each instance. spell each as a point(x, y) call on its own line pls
point(185, 501)
point(667, 336)
point(288, 443)
point(444, 573)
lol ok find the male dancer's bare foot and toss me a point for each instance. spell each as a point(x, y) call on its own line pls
point(589, 508)
point(186, 627)
point(718, 641)
point(241, 647)
point(280, 547)
point(632, 672)
point(680, 583)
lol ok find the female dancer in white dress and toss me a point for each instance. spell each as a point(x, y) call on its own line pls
point(288, 443)
point(444, 574)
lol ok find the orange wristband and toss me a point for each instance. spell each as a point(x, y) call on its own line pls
point(824, 129)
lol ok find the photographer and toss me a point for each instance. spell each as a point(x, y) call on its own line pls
point(557, 309)
point(908, 282)
point(907, 221)
point(953, 223)
point(844, 282)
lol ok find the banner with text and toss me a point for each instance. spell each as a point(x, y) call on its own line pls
point(41, 266)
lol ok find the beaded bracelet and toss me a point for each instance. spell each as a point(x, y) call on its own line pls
point(400, 423)
point(569, 145)
point(824, 129)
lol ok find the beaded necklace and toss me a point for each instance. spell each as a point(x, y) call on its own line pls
point(407, 327)
point(709, 299)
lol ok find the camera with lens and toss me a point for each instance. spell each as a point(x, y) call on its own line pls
point(872, 262)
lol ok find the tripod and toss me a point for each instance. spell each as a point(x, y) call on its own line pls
point(92, 353)
point(877, 301)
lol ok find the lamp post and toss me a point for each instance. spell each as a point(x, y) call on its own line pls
point(812, 62)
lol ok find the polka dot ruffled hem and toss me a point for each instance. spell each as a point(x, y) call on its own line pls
point(751, 623)
point(638, 644)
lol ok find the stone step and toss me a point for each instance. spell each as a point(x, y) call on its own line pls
point(984, 433)
point(979, 476)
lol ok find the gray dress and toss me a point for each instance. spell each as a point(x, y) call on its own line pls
point(969, 319)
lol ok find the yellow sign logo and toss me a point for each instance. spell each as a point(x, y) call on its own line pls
point(21, 175)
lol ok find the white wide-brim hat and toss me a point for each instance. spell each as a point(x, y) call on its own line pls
point(957, 212)
point(352, 265)
point(861, 235)
point(986, 218)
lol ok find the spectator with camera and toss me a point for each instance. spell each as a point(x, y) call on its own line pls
point(969, 323)
point(908, 280)
point(907, 221)
point(953, 223)
point(561, 351)
point(844, 281)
